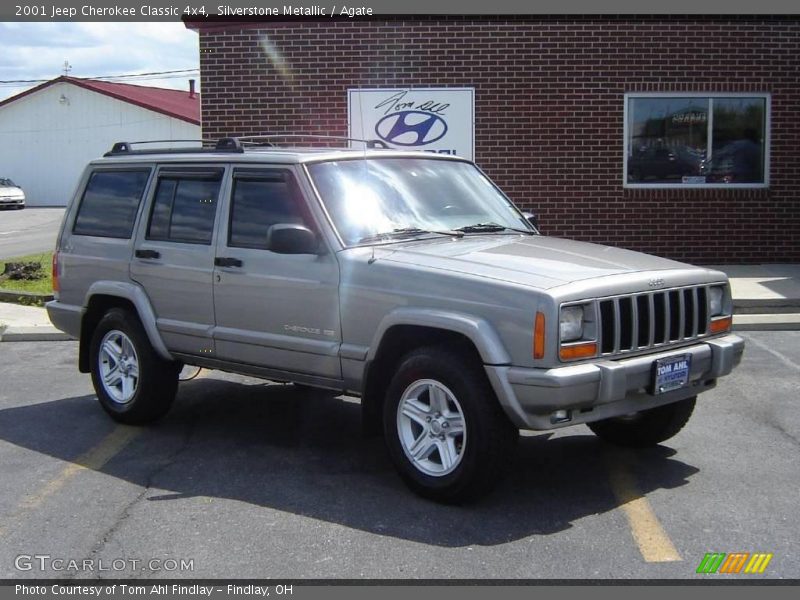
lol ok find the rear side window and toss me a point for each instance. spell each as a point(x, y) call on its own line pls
point(110, 203)
point(260, 200)
point(184, 208)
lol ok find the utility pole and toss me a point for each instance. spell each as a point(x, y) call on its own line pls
point(67, 68)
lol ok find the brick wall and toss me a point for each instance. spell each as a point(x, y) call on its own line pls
point(549, 110)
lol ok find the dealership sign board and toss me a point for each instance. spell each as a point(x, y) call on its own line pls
point(437, 120)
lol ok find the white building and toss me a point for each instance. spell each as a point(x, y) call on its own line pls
point(50, 132)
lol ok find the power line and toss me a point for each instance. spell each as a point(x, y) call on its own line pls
point(125, 76)
point(144, 74)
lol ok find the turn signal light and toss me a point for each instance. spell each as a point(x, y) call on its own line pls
point(576, 351)
point(721, 324)
point(538, 336)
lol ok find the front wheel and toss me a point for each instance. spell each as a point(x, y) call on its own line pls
point(133, 384)
point(645, 428)
point(445, 431)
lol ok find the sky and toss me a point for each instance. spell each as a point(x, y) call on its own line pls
point(38, 51)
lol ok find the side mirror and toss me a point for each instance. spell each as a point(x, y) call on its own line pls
point(285, 238)
point(532, 219)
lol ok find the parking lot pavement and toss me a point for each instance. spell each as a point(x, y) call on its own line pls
point(246, 478)
point(29, 231)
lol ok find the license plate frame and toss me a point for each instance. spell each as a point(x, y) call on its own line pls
point(670, 374)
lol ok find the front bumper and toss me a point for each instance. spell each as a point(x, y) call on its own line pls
point(605, 388)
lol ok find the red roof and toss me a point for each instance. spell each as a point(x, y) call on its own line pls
point(174, 103)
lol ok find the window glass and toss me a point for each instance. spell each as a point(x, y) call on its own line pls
point(110, 203)
point(696, 140)
point(368, 198)
point(738, 155)
point(184, 210)
point(162, 207)
point(669, 139)
point(260, 202)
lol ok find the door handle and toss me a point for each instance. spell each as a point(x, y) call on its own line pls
point(226, 261)
point(147, 254)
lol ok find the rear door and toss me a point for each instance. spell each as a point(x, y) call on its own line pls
point(278, 311)
point(174, 255)
point(95, 244)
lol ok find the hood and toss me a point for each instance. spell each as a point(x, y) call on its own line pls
point(538, 261)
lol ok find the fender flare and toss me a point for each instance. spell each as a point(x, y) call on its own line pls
point(479, 331)
point(136, 296)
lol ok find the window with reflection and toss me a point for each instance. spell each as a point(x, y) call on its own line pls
point(375, 197)
point(260, 200)
point(110, 203)
point(184, 208)
point(696, 140)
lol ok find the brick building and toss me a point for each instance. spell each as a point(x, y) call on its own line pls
point(671, 135)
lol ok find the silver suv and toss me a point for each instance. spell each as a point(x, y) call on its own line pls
point(408, 279)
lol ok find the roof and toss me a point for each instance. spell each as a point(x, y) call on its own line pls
point(178, 104)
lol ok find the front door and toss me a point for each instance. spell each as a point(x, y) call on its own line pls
point(278, 311)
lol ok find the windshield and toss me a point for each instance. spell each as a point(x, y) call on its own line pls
point(367, 198)
point(7, 182)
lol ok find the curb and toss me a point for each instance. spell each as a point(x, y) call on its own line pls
point(32, 334)
point(14, 296)
point(766, 322)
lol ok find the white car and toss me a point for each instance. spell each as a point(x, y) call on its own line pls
point(11, 194)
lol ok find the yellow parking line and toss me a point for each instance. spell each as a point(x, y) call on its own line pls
point(93, 460)
point(650, 537)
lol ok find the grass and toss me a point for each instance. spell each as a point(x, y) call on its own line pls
point(37, 286)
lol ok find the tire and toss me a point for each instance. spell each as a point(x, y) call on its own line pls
point(646, 428)
point(440, 405)
point(133, 384)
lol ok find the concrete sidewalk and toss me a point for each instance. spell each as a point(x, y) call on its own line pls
point(20, 323)
point(765, 297)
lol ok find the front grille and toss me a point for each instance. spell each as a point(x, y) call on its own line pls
point(648, 320)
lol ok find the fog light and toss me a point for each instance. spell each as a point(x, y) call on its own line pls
point(561, 416)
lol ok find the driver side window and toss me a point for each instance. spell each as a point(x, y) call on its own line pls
point(259, 200)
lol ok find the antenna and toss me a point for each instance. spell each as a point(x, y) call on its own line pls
point(66, 68)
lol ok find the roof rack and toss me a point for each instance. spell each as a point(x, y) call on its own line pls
point(256, 139)
point(222, 145)
point(230, 144)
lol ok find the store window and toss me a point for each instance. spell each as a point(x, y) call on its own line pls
point(693, 140)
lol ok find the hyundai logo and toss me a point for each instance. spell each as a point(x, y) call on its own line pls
point(411, 128)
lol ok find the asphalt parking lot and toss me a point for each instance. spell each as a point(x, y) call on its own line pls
point(28, 231)
point(246, 478)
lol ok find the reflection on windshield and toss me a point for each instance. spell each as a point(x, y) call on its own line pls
point(368, 197)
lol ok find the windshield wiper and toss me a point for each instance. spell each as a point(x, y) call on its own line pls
point(491, 227)
point(407, 231)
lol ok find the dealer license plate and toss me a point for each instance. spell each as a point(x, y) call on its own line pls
point(671, 373)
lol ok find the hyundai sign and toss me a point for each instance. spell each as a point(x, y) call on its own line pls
point(437, 120)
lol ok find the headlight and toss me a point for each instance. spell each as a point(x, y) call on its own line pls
point(571, 324)
point(715, 296)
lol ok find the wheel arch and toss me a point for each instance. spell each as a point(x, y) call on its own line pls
point(404, 330)
point(102, 297)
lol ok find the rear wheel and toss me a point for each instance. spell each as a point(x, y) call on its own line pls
point(445, 430)
point(645, 428)
point(133, 384)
